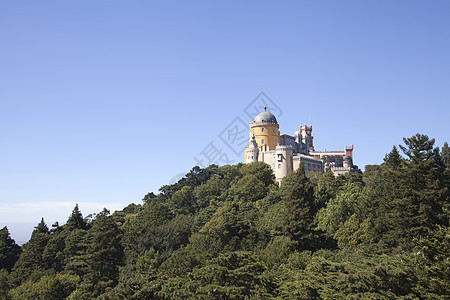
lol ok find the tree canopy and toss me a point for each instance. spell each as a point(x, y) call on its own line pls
point(230, 232)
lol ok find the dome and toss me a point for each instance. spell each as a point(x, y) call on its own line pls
point(265, 117)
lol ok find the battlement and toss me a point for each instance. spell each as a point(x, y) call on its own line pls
point(284, 147)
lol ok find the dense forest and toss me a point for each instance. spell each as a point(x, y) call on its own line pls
point(231, 233)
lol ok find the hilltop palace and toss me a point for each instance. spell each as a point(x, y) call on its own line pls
point(285, 153)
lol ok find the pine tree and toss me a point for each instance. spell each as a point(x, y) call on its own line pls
point(415, 191)
point(75, 253)
point(9, 250)
point(104, 254)
point(393, 160)
point(446, 155)
point(31, 258)
point(53, 255)
point(75, 220)
point(298, 195)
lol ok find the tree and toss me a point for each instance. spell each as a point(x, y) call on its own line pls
point(55, 287)
point(341, 208)
point(298, 223)
point(9, 250)
point(248, 189)
point(104, 254)
point(4, 285)
point(31, 258)
point(75, 253)
point(446, 155)
point(261, 170)
point(75, 220)
point(234, 225)
point(148, 262)
point(393, 160)
point(416, 191)
point(183, 201)
point(53, 254)
point(148, 197)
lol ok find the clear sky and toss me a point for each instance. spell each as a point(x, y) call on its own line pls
point(104, 101)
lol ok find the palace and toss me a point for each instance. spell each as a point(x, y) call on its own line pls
point(285, 153)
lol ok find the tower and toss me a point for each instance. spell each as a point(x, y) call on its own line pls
point(307, 137)
point(283, 164)
point(264, 130)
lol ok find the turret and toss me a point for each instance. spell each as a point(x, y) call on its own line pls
point(347, 162)
point(252, 151)
point(307, 137)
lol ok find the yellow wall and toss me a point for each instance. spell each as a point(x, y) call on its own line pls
point(271, 138)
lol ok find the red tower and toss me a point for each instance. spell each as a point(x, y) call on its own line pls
point(307, 136)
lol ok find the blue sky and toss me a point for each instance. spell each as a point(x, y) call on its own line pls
point(104, 101)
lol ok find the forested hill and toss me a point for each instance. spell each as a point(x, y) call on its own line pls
point(230, 233)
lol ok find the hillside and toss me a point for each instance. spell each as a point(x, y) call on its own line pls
point(230, 232)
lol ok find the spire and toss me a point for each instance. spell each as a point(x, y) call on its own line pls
point(253, 143)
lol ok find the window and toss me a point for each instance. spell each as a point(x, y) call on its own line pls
point(280, 157)
point(262, 141)
point(262, 129)
point(274, 143)
point(274, 156)
point(279, 166)
point(274, 130)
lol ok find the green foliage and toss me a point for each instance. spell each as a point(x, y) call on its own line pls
point(75, 252)
point(104, 254)
point(148, 262)
point(9, 250)
point(277, 251)
point(4, 284)
point(31, 257)
point(183, 201)
point(260, 170)
point(298, 222)
point(341, 208)
point(248, 188)
point(75, 220)
point(416, 194)
point(231, 233)
point(55, 287)
point(234, 225)
point(446, 155)
point(235, 275)
point(352, 233)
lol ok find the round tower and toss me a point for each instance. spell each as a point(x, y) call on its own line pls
point(265, 130)
point(283, 164)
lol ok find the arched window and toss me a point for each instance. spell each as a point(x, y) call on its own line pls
point(262, 129)
point(262, 141)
